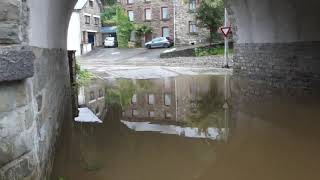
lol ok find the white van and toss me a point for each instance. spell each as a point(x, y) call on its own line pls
point(110, 42)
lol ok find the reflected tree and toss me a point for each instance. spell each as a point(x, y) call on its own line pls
point(124, 89)
point(206, 109)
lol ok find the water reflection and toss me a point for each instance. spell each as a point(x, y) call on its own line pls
point(147, 124)
point(195, 103)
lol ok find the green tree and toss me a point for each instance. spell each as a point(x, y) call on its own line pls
point(141, 30)
point(124, 27)
point(109, 2)
point(108, 15)
point(210, 15)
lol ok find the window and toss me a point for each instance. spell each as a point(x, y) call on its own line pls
point(165, 13)
point(96, 20)
point(167, 84)
point(130, 15)
point(192, 5)
point(167, 99)
point(134, 99)
point(92, 95)
point(151, 99)
point(87, 19)
point(192, 27)
point(91, 3)
point(151, 114)
point(130, 1)
point(165, 32)
point(147, 14)
point(135, 113)
point(100, 93)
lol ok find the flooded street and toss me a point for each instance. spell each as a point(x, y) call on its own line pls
point(188, 127)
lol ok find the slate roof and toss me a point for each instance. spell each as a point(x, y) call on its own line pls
point(80, 4)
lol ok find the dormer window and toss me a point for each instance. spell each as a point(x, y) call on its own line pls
point(91, 3)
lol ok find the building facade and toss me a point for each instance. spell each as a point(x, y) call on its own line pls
point(92, 96)
point(84, 31)
point(167, 18)
point(157, 102)
point(187, 30)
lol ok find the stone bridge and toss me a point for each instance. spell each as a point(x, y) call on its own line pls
point(277, 49)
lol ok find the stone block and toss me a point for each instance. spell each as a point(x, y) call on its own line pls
point(10, 18)
point(16, 63)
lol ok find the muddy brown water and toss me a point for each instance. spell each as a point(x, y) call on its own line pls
point(274, 139)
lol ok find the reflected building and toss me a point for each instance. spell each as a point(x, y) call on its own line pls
point(172, 99)
point(154, 102)
point(92, 95)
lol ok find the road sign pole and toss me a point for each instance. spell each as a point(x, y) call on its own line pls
point(226, 44)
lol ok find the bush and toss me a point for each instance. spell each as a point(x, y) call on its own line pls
point(210, 51)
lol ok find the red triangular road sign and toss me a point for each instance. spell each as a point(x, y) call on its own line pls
point(225, 31)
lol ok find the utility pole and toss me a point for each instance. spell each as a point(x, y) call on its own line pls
point(226, 43)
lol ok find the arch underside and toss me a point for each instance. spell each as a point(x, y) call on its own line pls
point(277, 45)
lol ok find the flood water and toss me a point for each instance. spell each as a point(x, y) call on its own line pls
point(189, 127)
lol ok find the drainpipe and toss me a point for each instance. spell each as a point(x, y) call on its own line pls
point(174, 21)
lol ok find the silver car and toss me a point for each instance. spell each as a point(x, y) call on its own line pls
point(164, 42)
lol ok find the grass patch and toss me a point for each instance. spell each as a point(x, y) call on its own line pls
point(83, 76)
point(210, 51)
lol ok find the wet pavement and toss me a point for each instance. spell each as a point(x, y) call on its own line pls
point(189, 125)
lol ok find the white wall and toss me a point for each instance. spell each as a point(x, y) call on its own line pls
point(74, 33)
point(276, 21)
point(49, 20)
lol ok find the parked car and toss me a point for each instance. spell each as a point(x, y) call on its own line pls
point(164, 42)
point(110, 42)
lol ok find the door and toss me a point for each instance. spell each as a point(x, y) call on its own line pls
point(91, 38)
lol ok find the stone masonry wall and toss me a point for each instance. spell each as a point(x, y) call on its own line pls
point(34, 94)
point(31, 114)
point(183, 17)
point(285, 68)
point(13, 21)
point(94, 11)
point(138, 7)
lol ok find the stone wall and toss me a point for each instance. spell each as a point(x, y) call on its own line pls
point(34, 85)
point(156, 21)
point(94, 11)
point(13, 21)
point(288, 67)
point(31, 115)
point(183, 17)
point(276, 46)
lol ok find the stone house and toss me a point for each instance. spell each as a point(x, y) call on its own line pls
point(84, 31)
point(187, 31)
point(168, 18)
point(157, 14)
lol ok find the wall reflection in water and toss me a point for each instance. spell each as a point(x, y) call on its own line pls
point(146, 134)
